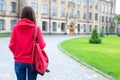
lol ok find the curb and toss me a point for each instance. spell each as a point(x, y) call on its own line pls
point(84, 64)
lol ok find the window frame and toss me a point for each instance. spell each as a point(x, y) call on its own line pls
point(54, 11)
point(34, 6)
point(54, 26)
point(2, 5)
point(13, 6)
point(44, 9)
point(62, 11)
point(12, 23)
point(2, 24)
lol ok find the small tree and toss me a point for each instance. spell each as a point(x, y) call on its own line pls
point(94, 37)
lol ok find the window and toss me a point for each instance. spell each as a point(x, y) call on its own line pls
point(54, 26)
point(96, 5)
point(106, 19)
point(12, 23)
point(84, 2)
point(106, 29)
point(62, 11)
point(13, 6)
point(112, 19)
point(71, 13)
point(103, 29)
point(109, 10)
point(113, 10)
point(2, 24)
point(44, 26)
point(90, 28)
point(34, 6)
point(78, 14)
point(54, 0)
point(90, 16)
point(84, 27)
point(44, 8)
point(102, 18)
point(54, 10)
point(62, 1)
point(102, 7)
point(78, 27)
point(96, 27)
point(2, 5)
point(84, 15)
point(62, 26)
point(106, 9)
point(109, 19)
point(78, 2)
point(96, 16)
point(90, 3)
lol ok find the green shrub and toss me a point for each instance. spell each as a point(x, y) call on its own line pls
point(4, 34)
point(118, 35)
point(95, 37)
point(95, 41)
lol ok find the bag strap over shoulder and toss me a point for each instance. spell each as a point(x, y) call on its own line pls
point(36, 33)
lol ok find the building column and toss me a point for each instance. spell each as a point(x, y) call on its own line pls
point(22, 4)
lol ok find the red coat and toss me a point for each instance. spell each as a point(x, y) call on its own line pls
point(21, 41)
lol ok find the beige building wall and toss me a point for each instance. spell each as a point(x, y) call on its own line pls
point(7, 15)
point(72, 25)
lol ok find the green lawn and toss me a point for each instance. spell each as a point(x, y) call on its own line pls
point(105, 56)
point(4, 34)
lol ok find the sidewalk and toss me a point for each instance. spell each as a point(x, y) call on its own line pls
point(61, 66)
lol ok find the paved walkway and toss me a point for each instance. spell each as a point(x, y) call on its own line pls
point(61, 66)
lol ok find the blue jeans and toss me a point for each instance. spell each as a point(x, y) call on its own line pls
point(24, 71)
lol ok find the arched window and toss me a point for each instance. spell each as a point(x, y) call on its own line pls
point(44, 26)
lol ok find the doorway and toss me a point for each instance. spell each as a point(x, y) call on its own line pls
point(72, 28)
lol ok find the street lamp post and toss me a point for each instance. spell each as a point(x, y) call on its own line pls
point(111, 26)
point(19, 9)
point(88, 14)
point(66, 23)
point(49, 16)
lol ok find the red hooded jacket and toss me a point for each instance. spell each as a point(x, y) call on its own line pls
point(21, 41)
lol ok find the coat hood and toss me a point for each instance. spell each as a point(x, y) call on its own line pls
point(25, 24)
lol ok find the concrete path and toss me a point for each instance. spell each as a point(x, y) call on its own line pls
point(61, 66)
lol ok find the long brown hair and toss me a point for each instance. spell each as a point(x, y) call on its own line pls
point(28, 13)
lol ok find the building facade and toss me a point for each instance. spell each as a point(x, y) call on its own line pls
point(62, 16)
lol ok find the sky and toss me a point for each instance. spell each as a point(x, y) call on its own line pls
point(117, 6)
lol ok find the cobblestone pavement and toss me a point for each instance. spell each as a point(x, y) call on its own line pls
point(61, 66)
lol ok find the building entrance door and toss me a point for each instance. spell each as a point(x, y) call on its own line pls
point(72, 28)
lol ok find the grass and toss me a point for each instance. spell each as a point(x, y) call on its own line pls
point(105, 56)
point(4, 35)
